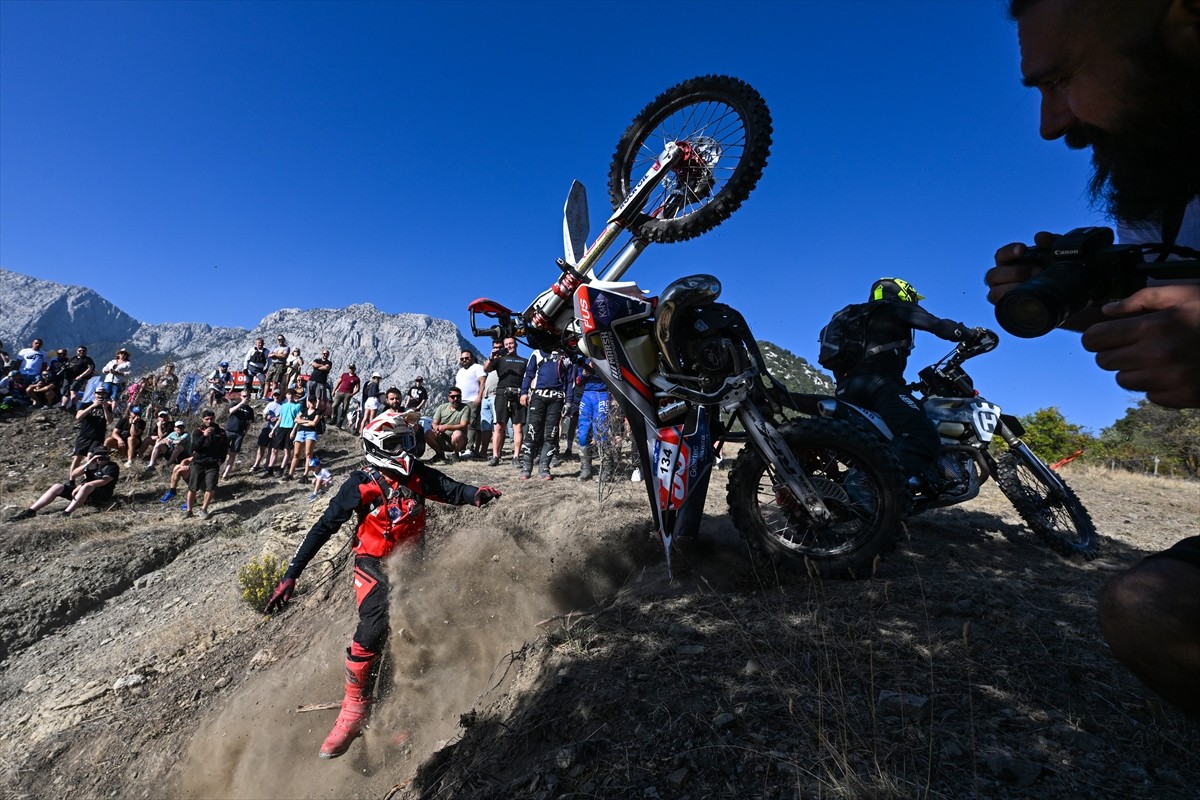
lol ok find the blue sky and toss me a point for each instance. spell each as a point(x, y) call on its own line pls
point(216, 161)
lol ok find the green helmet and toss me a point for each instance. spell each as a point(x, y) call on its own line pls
point(895, 289)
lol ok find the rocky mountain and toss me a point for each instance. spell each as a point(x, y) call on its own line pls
point(795, 372)
point(398, 346)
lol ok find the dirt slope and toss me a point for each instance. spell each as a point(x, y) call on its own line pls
point(131, 668)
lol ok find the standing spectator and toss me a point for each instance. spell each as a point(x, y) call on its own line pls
point(318, 380)
point(264, 439)
point(209, 448)
point(470, 380)
point(308, 422)
point(347, 386)
point(387, 498)
point(241, 418)
point(57, 365)
point(219, 381)
point(255, 366)
point(448, 433)
point(5, 358)
point(295, 368)
point(277, 367)
point(127, 435)
point(588, 392)
point(417, 395)
point(371, 402)
point(284, 434)
point(543, 393)
point(510, 367)
point(116, 373)
point(177, 446)
point(93, 420)
point(33, 361)
point(75, 376)
point(166, 388)
point(99, 476)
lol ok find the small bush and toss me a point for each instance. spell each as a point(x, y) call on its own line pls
point(259, 578)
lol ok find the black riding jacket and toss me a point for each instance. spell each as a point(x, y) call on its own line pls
point(892, 323)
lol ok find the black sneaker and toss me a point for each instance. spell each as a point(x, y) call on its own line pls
point(27, 513)
point(436, 459)
point(494, 461)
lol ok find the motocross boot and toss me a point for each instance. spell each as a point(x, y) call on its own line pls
point(356, 707)
point(544, 463)
point(585, 463)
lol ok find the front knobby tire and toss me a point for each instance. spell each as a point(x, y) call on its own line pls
point(714, 113)
point(860, 481)
point(1053, 513)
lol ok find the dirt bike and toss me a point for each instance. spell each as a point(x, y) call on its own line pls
point(968, 425)
point(809, 491)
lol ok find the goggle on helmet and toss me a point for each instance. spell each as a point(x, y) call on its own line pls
point(895, 289)
point(391, 443)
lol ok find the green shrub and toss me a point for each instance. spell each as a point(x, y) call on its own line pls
point(259, 578)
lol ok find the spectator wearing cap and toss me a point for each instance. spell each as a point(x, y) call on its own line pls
point(321, 478)
point(127, 435)
point(282, 437)
point(416, 397)
point(277, 367)
point(237, 426)
point(348, 384)
point(370, 399)
point(75, 377)
point(210, 446)
point(176, 444)
point(92, 481)
point(219, 381)
point(116, 373)
point(270, 418)
point(44, 392)
point(94, 420)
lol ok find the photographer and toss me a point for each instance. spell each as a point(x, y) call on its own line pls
point(1124, 79)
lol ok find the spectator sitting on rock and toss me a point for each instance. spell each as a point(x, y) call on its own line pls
point(219, 381)
point(277, 367)
point(448, 433)
point(94, 420)
point(255, 366)
point(159, 431)
point(237, 427)
point(33, 362)
point(347, 386)
point(321, 478)
point(43, 392)
point(180, 472)
point(116, 374)
point(209, 448)
point(173, 444)
point(99, 475)
point(75, 377)
point(126, 437)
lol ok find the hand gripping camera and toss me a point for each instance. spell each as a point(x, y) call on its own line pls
point(1082, 267)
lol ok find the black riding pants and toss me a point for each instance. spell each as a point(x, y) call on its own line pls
point(916, 439)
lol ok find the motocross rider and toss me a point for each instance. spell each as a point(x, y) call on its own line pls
point(876, 382)
point(387, 494)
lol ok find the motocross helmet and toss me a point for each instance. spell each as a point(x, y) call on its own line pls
point(392, 442)
point(895, 289)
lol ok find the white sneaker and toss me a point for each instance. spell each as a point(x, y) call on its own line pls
point(466, 455)
point(636, 477)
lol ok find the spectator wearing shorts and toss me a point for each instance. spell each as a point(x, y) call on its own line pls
point(97, 477)
point(470, 380)
point(75, 376)
point(283, 435)
point(127, 435)
point(264, 440)
point(277, 367)
point(175, 445)
point(307, 423)
point(237, 427)
point(94, 420)
point(210, 445)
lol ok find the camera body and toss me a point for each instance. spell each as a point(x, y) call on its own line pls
point(1080, 268)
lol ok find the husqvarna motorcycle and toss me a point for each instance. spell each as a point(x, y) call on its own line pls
point(814, 492)
point(969, 426)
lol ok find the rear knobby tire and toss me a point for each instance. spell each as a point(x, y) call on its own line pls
point(860, 481)
point(713, 108)
point(1056, 515)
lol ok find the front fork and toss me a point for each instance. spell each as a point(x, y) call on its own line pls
point(1048, 476)
point(774, 449)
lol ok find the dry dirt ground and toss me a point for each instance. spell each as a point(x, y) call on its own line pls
point(539, 651)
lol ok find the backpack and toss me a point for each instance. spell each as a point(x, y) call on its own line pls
point(844, 339)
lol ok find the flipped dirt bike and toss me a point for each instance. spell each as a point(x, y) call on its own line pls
point(813, 492)
point(968, 424)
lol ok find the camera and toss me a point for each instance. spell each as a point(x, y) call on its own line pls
point(1080, 268)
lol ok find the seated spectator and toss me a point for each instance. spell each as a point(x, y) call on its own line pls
point(126, 437)
point(321, 478)
point(180, 472)
point(44, 391)
point(165, 392)
point(448, 433)
point(159, 431)
point(219, 381)
point(76, 374)
point(99, 479)
point(176, 445)
point(417, 395)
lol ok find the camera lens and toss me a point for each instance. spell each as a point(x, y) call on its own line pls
point(1043, 303)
